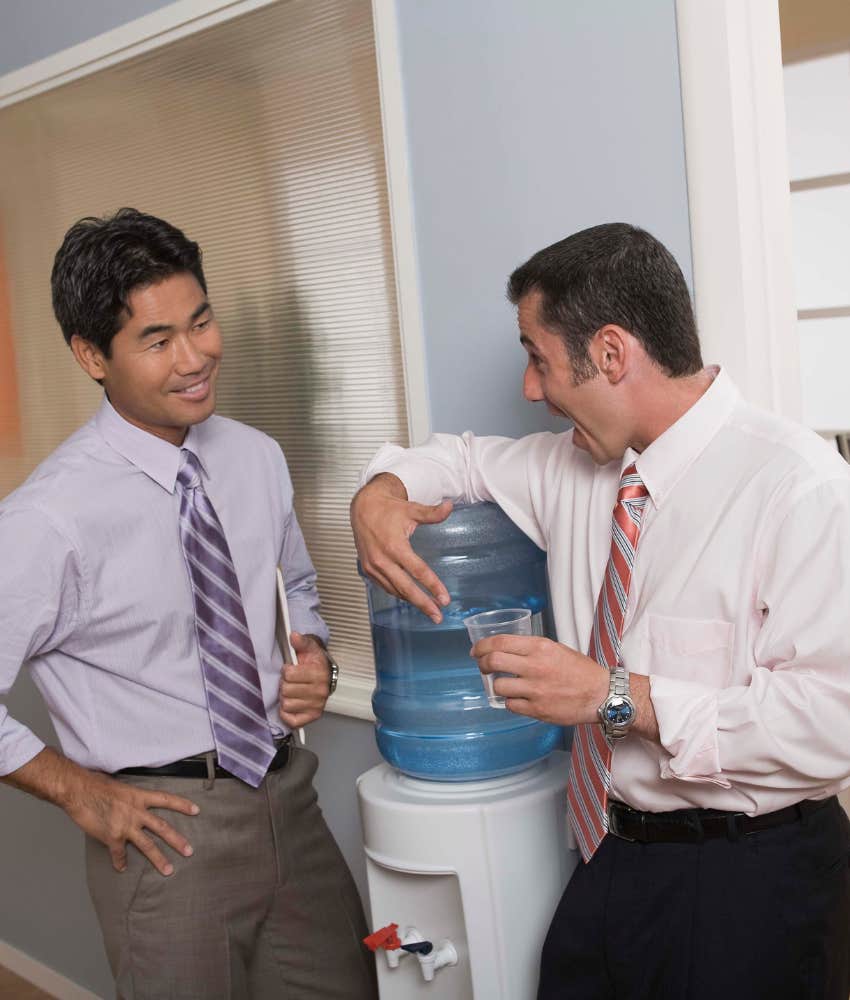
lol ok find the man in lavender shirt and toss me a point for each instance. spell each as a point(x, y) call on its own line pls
point(206, 885)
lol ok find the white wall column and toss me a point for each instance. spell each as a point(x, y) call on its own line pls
point(738, 195)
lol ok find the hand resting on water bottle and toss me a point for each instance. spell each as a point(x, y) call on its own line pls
point(383, 519)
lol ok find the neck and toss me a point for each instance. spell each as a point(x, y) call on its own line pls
point(663, 400)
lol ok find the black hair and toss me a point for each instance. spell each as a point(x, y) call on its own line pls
point(619, 274)
point(102, 261)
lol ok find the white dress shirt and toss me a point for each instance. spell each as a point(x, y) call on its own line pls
point(739, 608)
point(96, 600)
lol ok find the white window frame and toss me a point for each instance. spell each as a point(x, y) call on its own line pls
point(733, 107)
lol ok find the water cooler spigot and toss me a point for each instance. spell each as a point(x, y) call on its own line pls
point(410, 938)
point(412, 942)
point(432, 958)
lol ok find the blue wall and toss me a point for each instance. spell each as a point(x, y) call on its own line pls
point(528, 120)
point(33, 29)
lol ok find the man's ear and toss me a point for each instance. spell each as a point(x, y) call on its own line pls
point(89, 357)
point(609, 348)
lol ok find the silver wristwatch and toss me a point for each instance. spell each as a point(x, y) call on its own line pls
point(333, 667)
point(617, 713)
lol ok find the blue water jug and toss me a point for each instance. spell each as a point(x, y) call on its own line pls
point(433, 719)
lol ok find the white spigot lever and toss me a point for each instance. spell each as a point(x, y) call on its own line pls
point(411, 936)
point(444, 954)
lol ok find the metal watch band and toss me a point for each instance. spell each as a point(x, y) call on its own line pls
point(334, 673)
point(619, 682)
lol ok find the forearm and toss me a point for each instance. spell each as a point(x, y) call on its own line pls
point(49, 776)
point(456, 467)
point(646, 723)
point(468, 468)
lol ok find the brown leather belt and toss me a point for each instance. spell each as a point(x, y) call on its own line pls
point(691, 826)
point(196, 767)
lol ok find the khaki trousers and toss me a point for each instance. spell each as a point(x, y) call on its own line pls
point(266, 906)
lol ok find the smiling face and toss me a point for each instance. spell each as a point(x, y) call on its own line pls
point(163, 363)
point(591, 403)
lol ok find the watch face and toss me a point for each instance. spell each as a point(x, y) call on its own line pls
point(618, 712)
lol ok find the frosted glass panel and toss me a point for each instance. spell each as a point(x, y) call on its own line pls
point(821, 226)
point(260, 137)
point(825, 372)
point(817, 109)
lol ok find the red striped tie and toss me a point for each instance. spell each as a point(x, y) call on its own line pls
point(590, 767)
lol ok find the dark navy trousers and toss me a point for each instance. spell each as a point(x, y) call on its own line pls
point(766, 917)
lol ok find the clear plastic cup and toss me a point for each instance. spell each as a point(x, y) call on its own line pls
point(503, 621)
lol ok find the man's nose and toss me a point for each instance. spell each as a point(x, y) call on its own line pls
point(188, 358)
point(531, 385)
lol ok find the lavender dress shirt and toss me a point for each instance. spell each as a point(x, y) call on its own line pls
point(96, 601)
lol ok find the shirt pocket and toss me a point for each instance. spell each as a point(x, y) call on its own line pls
point(691, 649)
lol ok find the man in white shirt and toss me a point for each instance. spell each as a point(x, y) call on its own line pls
point(708, 753)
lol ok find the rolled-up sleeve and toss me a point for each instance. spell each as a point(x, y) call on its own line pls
point(787, 729)
point(40, 602)
point(507, 471)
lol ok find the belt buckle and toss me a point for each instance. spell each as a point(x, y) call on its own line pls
point(614, 825)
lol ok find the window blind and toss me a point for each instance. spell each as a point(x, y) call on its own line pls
point(260, 138)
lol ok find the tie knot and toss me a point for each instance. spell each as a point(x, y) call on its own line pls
point(631, 485)
point(189, 476)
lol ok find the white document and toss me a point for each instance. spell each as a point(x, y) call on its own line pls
point(283, 630)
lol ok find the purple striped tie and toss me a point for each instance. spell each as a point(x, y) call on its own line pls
point(243, 739)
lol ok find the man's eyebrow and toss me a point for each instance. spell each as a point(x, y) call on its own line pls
point(149, 331)
point(155, 328)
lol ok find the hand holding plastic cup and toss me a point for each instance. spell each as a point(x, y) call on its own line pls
point(504, 621)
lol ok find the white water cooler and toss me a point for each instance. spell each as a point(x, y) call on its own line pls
point(474, 867)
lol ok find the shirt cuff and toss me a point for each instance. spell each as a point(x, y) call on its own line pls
point(421, 484)
point(687, 724)
point(305, 621)
point(18, 746)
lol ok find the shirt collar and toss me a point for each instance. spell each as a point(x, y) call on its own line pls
point(149, 453)
point(671, 454)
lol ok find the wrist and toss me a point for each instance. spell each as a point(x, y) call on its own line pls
point(617, 713)
point(645, 723)
point(333, 668)
point(597, 694)
point(67, 782)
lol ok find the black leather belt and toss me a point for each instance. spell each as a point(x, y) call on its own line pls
point(196, 767)
point(691, 826)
